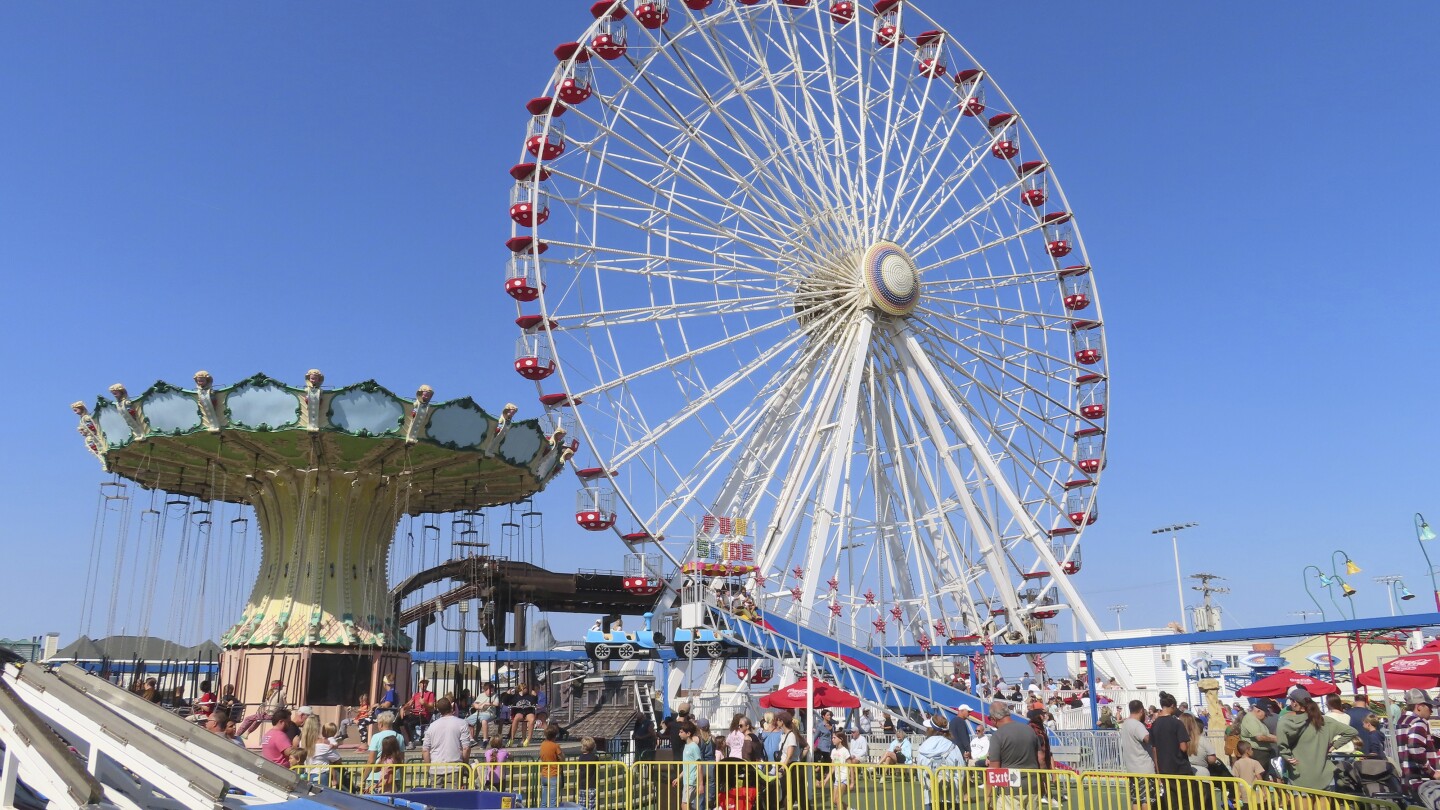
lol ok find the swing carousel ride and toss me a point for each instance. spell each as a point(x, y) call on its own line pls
point(817, 304)
point(329, 474)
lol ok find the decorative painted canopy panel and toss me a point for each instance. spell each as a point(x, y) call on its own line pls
point(213, 442)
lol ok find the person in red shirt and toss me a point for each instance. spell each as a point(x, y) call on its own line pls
point(205, 704)
point(416, 712)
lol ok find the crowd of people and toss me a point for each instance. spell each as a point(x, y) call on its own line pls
point(1295, 743)
point(778, 739)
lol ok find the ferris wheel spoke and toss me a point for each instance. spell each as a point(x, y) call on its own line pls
point(839, 449)
point(773, 210)
point(939, 289)
point(690, 355)
point(902, 440)
point(842, 124)
point(789, 503)
point(998, 242)
point(1036, 426)
point(896, 504)
point(886, 69)
point(648, 263)
point(903, 185)
point(673, 237)
point(813, 156)
point(1006, 365)
point(1038, 540)
point(973, 311)
point(673, 310)
point(674, 120)
point(761, 167)
point(920, 365)
point(928, 199)
point(761, 433)
point(982, 530)
point(644, 265)
point(910, 480)
point(804, 165)
point(971, 215)
point(654, 434)
point(690, 204)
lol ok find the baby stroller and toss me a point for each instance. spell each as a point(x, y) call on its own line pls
point(1371, 778)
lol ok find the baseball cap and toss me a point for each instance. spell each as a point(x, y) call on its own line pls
point(702, 723)
point(306, 710)
point(1297, 694)
point(959, 709)
point(1417, 696)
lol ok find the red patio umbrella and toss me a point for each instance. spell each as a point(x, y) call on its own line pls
point(1280, 684)
point(795, 695)
point(1418, 670)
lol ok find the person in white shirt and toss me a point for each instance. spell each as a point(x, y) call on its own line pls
point(979, 746)
point(901, 751)
point(859, 747)
point(447, 740)
point(838, 775)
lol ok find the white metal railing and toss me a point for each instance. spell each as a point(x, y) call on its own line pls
point(1088, 750)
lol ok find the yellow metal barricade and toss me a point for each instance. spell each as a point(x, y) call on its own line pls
point(362, 778)
point(1005, 788)
point(591, 785)
point(1123, 791)
point(857, 786)
point(1276, 796)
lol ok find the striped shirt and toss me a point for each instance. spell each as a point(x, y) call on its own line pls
point(1416, 747)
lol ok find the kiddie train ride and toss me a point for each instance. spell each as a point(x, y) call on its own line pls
point(329, 473)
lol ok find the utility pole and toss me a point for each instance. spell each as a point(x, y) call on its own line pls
point(1207, 618)
point(1117, 610)
point(1389, 582)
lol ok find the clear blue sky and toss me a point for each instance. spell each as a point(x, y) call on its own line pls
point(276, 186)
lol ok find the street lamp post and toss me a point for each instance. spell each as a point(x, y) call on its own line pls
point(1346, 590)
point(1423, 532)
point(1174, 532)
point(1324, 580)
point(1392, 583)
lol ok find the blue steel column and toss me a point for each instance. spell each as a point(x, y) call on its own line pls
point(1090, 684)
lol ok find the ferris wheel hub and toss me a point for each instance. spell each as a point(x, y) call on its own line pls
point(891, 278)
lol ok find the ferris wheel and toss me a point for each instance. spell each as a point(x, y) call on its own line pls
point(805, 286)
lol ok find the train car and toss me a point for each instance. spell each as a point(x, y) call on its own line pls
point(608, 642)
point(705, 642)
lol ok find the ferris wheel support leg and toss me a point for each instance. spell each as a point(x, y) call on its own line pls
point(911, 477)
point(1038, 538)
point(984, 532)
point(784, 522)
point(838, 453)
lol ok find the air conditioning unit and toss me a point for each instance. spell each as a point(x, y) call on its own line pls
point(1165, 654)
